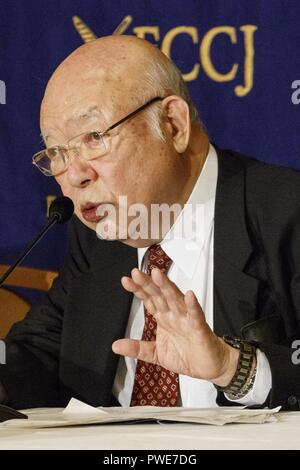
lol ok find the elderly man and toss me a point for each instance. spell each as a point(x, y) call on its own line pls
point(140, 319)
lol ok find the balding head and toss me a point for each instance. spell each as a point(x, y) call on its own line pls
point(108, 55)
point(124, 70)
point(113, 64)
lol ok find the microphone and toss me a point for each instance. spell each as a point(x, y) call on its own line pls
point(60, 211)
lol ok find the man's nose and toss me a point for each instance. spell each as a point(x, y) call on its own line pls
point(80, 173)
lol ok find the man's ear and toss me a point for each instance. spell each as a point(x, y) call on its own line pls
point(177, 115)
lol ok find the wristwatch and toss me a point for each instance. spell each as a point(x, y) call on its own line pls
point(244, 376)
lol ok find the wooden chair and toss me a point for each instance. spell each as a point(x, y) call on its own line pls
point(13, 307)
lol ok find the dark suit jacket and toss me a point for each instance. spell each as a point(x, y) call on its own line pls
point(63, 347)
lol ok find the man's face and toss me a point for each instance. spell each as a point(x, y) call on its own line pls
point(137, 166)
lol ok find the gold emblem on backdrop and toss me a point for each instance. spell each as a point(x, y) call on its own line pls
point(203, 60)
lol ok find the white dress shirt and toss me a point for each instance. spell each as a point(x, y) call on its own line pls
point(192, 269)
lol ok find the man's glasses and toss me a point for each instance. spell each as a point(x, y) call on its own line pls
point(89, 145)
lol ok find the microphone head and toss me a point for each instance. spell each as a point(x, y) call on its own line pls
point(61, 209)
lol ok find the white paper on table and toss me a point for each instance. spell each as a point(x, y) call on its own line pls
point(78, 408)
point(79, 413)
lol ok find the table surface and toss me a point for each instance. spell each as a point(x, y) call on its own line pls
point(284, 434)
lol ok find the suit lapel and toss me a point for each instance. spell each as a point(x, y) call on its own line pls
point(235, 293)
point(115, 304)
point(102, 307)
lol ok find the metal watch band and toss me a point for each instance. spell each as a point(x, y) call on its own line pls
point(248, 386)
point(244, 366)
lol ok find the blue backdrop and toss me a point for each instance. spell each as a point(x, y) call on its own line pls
point(241, 60)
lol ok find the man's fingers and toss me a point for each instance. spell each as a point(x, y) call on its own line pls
point(167, 287)
point(143, 350)
point(194, 310)
point(147, 284)
point(144, 281)
point(158, 293)
point(131, 286)
point(172, 295)
point(137, 290)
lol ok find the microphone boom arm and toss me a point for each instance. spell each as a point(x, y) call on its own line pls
point(28, 250)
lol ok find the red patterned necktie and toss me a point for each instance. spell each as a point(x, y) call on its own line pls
point(154, 385)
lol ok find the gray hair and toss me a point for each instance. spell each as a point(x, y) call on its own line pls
point(161, 78)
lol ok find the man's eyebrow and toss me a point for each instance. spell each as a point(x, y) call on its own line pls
point(90, 112)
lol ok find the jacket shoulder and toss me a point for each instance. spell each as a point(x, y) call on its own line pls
point(268, 186)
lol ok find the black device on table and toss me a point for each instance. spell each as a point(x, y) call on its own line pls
point(7, 413)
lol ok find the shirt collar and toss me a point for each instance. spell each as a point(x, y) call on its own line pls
point(185, 240)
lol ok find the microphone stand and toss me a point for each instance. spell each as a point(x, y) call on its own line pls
point(29, 248)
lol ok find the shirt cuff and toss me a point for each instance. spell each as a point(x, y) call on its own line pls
point(262, 383)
